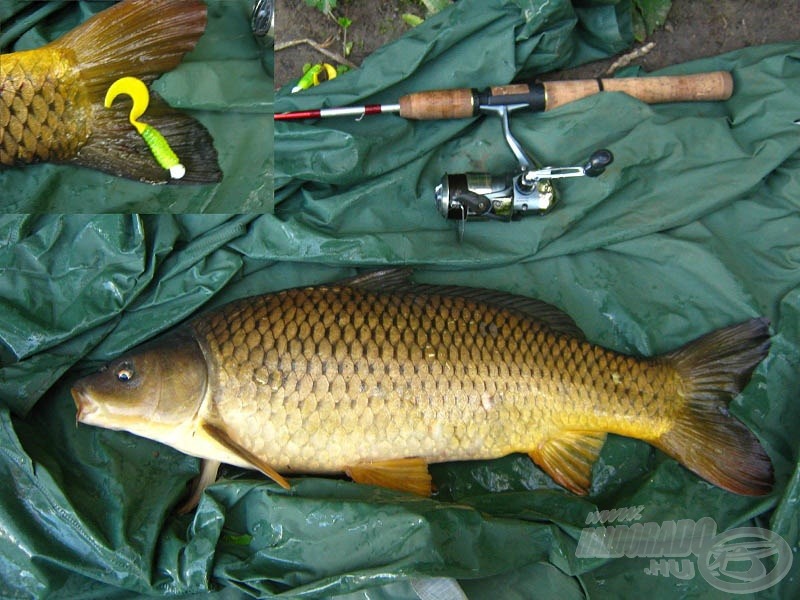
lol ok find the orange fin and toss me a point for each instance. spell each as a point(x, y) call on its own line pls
point(222, 436)
point(705, 438)
point(568, 458)
point(207, 476)
point(404, 474)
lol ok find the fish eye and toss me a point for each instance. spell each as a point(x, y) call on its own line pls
point(125, 373)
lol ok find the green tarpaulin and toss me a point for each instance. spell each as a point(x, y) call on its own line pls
point(693, 227)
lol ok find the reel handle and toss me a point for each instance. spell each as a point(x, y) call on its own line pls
point(598, 162)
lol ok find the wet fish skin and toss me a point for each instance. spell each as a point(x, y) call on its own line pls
point(44, 111)
point(349, 378)
point(390, 376)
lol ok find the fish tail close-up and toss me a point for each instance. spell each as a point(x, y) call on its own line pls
point(52, 101)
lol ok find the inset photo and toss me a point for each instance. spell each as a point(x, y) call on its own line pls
point(136, 106)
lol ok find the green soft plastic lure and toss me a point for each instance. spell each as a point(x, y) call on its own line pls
point(137, 90)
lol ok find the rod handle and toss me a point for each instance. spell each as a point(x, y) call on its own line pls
point(700, 87)
point(439, 104)
point(465, 102)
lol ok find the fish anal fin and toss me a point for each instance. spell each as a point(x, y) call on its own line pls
point(221, 436)
point(568, 458)
point(404, 474)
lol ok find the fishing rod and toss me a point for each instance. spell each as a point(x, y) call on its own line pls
point(468, 102)
point(530, 190)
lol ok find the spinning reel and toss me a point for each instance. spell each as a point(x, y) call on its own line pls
point(507, 197)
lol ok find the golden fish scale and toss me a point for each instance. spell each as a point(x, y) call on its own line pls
point(321, 378)
point(44, 112)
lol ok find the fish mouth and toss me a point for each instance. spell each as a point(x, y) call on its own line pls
point(83, 403)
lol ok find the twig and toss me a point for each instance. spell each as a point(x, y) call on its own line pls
point(319, 48)
point(626, 59)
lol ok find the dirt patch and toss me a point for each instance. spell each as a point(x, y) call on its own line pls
point(373, 24)
point(693, 30)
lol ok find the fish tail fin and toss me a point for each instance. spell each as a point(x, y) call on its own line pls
point(143, 39)
point(120, 150)
point(705, 437)
point(136, 38)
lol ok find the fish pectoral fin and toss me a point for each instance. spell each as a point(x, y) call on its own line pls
point(207, 476)
point(404, 474)
point(568, 458)
point(221, 436)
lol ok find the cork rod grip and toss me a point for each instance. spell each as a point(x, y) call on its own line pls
point(438, 104)
point(701, 87)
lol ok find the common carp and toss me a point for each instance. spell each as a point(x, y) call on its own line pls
point(377, 377)
point(51, 98)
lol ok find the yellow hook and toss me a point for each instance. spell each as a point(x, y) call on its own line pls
point(137, 90)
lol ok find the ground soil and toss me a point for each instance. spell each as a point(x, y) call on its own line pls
point(693, 30)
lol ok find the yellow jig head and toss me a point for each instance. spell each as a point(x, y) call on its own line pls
point(137, 90)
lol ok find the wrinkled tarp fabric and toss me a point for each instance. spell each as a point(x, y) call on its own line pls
point(694, 227)
point(221, 83)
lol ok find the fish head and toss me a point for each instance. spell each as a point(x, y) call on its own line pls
point(160, 385)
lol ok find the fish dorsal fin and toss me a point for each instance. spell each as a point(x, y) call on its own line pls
point(219, 434)
point(384, 280)
point(404, 474)
point(568, 458)
point(398, 281)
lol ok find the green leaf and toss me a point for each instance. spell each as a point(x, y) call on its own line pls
point(649, 15)
point(325, 6)
point(344, 22)
point(240, 540)
point(434, 6)
point(412, 20)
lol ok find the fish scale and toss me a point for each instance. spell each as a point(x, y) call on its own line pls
point(43, 113)
point(344, 351)
point(378, 377)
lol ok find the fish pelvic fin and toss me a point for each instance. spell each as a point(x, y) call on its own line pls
point(568, 458)
point(404, 474)
point(207, 476)
point(143, 39)
point(705, 437)
point(221, 436)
